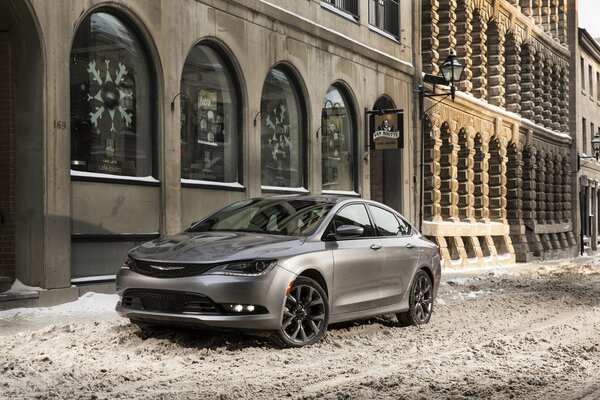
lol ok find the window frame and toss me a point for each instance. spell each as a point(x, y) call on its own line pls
point(332, 229)
point(372, 19)
point(353, 121)
point(399, 220)
point(228, 62)
point(302, 99)
point(148, 49)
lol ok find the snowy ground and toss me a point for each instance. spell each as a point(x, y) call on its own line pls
point(533, 334)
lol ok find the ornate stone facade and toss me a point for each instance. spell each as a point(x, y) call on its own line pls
point(497, 173)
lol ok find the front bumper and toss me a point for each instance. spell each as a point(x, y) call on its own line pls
point(266, 291)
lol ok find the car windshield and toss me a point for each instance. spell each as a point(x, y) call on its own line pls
point(273, 216)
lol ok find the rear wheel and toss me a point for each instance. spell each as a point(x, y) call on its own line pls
point(420, 301)
point(305, 315)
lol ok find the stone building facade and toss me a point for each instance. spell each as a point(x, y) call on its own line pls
point(126, 119)
point(587, 98)
point(498, 164)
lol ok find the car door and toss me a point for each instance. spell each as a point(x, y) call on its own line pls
point(358, 263)
point(400, 251)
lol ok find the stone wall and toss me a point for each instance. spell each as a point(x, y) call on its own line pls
point(497, 161)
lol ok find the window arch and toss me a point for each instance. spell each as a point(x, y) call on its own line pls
point(210, 118)
point(282, 131)
point(112, 99)
point(338, 141)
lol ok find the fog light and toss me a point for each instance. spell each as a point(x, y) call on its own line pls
point(244, 309)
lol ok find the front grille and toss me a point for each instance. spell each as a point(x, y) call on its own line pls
point(166, 301)
point(169, 270)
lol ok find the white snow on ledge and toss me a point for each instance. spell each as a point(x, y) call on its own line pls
point(19, 287)
point(98, 175)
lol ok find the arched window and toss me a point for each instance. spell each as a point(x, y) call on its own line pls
point(112, 118)
point(337, 142)
point(282, 132)
point(210, 134)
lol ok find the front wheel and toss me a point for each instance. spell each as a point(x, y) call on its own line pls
point(420, 301)
point(305, 314)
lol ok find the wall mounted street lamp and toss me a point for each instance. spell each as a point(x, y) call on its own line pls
point(452, 72)
point(595, 147)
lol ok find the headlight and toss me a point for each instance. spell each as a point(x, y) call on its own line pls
point(245, 268)
point(129, 263)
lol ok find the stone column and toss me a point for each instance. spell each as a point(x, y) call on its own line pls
point(512, 74)
point(547, 93)
point(495, 66)
point(433, 194)
point(540, 186)
point(530, 205)
point(430, 42)
point(449, 171)
point(479, 56)
point(538, 89)
point(563, 102)
point(537, 11)
point(527, 7)
point(464, 41)
point(555, 98)
point(447, 26)
point(562, 21)
point(554, 19)
point(527, 82)
point(549, 188)
point(466, 174)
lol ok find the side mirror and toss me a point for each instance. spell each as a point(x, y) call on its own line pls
point(346, 231)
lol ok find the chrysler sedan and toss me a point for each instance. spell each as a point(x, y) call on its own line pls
point(286, 265)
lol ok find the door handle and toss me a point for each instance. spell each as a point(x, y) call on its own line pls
point(410, 246)
point(375, 246)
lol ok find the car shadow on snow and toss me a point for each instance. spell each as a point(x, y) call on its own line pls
point(231, 340)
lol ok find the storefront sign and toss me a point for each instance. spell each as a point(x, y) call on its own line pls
point(386, 131)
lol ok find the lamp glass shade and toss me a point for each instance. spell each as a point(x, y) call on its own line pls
point(596, 143)
point(452, 70)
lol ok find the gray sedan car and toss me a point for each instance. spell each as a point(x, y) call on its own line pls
point(288, 265)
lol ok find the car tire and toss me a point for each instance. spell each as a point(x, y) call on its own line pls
point(420, 301)
point(305, 315)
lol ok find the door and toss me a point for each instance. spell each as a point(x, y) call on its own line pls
point(7, 158)
point(400, 252)
point(358, 263)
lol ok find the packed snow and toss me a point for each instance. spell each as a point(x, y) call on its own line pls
point(523, 333)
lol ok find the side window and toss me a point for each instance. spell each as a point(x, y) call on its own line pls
point(387, 224)
point(354, 214)
point(404, 228)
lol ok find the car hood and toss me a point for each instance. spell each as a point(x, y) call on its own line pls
point(215, 247)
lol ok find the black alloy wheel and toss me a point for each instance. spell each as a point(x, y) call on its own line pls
point(420, 301)
point(305, 314)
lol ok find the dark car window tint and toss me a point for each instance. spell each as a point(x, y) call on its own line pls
point(404, 228)
point(273, 216)
point(387, 224)
point(355, 214)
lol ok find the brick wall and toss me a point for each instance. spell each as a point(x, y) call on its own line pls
point(7, 157)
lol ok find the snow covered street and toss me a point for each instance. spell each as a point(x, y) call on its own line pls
point(500, 333)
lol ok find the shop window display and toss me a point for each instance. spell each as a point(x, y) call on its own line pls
point(111, 100)
point(282, 132)
point(210, 137)
point(337, 142)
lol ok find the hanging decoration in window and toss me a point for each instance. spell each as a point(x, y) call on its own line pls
point(112, 122)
